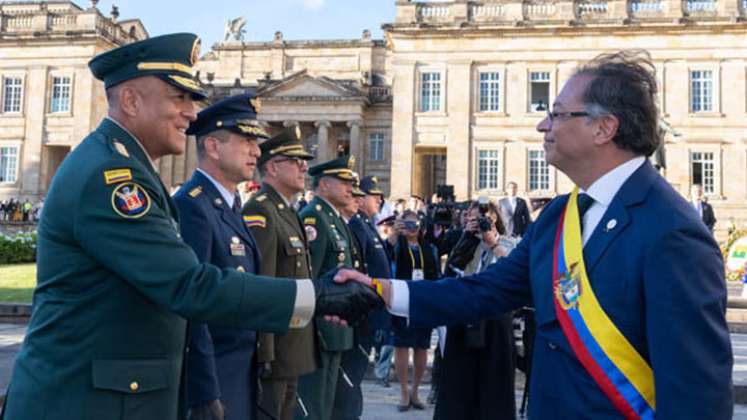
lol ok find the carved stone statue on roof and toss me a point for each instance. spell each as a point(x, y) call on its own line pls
point(234, 30)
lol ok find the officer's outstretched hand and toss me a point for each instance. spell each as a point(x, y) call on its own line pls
point(349, 300)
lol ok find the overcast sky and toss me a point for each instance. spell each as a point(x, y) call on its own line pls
point(297, 19)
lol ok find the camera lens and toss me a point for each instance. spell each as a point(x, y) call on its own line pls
point(484, 224)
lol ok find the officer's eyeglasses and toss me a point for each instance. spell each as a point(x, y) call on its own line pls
point(553, 115)
point(298, 161)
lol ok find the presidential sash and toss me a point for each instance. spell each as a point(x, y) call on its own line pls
point(619, 370)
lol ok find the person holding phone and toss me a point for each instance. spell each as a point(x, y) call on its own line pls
point(415, 259)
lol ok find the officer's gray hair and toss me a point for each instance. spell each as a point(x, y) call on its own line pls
point(221, 135)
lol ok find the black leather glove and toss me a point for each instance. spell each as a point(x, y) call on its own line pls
point(212, 410)
point(351, 300)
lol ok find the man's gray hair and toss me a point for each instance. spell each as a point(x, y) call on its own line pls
point(624, 85)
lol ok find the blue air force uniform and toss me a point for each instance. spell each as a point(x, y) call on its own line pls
point(220, 359)
point(221, 362)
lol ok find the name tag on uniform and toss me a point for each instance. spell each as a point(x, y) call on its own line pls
point(418, 274)
point(237, 248)
point(296, 242)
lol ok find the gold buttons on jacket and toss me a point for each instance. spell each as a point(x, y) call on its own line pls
point(134, 386)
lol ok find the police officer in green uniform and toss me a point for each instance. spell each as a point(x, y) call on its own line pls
point(281, 241)
point(330, 246)
point(115, 282)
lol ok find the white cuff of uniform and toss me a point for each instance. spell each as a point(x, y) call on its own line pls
point(400, 298)
point(303, 308)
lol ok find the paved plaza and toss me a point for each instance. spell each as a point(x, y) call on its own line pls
point(380, 402)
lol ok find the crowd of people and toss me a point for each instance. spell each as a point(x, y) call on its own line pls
point(209, 307)
point(14, 210)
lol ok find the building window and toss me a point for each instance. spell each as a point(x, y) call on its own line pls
point(702, 171)
point(376, 146)
point(490, 88)
point(487, 170)
point(701, 91)
point(539, 172)
point(539, 91)
point(8, 163)
point(430, 92)
point(60, 95)
point(12, 94)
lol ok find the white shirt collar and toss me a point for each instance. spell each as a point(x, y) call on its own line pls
point(603, 190)
point(228, 197)
point(137, 141)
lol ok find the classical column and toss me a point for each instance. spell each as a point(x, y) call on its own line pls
point(35, 85)
point(322, 146)
point(355, 143)
point(165, 170)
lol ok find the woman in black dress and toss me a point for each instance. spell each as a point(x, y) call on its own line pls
point(414, 260)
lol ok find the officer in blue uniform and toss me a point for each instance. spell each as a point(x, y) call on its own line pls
point(376, 252)
point(221, 368)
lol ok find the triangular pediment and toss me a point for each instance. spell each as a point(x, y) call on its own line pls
point(303, 85)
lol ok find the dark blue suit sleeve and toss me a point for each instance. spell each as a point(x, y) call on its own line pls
point(688, 339)
point(202, 383)
point(502, 287)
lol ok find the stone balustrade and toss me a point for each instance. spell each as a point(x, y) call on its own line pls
point(592, 8)
point(32, 18)
point(506, 12)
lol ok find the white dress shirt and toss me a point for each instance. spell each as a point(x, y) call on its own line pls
point(603, 190)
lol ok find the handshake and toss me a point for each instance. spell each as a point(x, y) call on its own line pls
point(350, 300)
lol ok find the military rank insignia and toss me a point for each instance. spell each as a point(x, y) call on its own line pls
point(130, 200)
point(115, 176)
point(255, 221)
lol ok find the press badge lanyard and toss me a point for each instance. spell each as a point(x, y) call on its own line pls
point(417, 274)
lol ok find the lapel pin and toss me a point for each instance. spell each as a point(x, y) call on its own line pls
point(218, 202)
point(611, 224)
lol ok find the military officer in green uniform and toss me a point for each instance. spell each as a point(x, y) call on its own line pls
point(115, 282)
point(281, 241)
point(330, 246)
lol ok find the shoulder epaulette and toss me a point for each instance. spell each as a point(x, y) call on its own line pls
point(194, 192)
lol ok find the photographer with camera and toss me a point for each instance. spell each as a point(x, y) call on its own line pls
point(415, 259)
point(477, 370)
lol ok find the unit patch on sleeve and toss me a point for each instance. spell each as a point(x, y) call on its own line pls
point(115, 176)
point(255, 221)
point(130, 200)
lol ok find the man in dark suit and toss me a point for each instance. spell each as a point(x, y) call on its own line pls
point(282, 243)
point(331, 246)
point(221, 368)
point(624, 276)
point(115, 281)
point(514, 212)
point(699, 203)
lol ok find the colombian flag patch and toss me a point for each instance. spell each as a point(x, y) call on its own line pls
point(255, 221)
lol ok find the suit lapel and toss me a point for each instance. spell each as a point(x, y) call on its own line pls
point(617, 216)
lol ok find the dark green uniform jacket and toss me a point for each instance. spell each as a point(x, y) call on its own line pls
point(329, 243)
point(116, 284)
point(281, 241)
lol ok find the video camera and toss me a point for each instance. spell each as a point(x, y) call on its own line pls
point(484, 223)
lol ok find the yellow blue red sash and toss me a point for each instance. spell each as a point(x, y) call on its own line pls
point(619, 370)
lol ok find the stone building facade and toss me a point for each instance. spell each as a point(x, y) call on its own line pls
point(452, 95)
point(49, 101)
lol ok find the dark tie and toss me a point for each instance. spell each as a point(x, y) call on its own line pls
point(236, 204)
point(584, 202)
